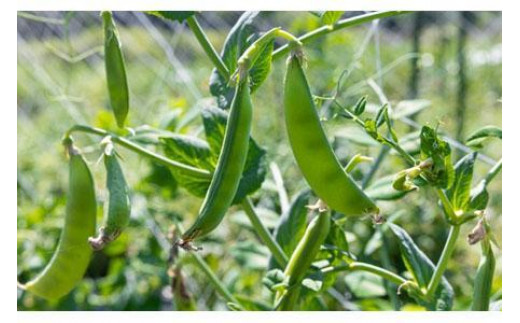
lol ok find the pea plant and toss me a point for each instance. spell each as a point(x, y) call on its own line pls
point(309, 248)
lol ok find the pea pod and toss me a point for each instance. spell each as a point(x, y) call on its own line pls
point(484, 278)
point(71, 258)
point(230, 165)
point(115, 70)
point(302, 258)
point(312, 151)
point(118, 211)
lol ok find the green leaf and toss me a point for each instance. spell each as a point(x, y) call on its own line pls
point(274, 277)
point(330, 17)
point(483, 133)
point(380, 116)
point(239, 37)
point(441, 174)
point(292, 225)
point(214, 121)
point(179, 16)
point(255, 170)
point(371, 129)
point(360, 105)
point(383, 190)
point(188, 150)
point(421, 268)
point(261, 67)
point(191, 151)
point(337, 237)
point(479, 197)
point(459, 193)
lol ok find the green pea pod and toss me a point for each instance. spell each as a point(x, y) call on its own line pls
point(314, 154)
point(230, 165)
point(118, 212)
point(71, 258)
point(303, 256)
point(484, 278)
point(115, 70)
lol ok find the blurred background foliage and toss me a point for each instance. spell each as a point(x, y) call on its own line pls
point(451, 59)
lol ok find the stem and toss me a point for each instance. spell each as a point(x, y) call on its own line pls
point(264, 234)
point(193, 171)
point(493, 172)
point(381, 272)
point(289, 300)
point(349, 114)
point(221, 289)
point(344, 23)
point(249, 56)
point(208, 47)
point(401, 151)
point(447, 204)
point(443, 260)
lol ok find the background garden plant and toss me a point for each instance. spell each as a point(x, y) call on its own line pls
point(420, 177)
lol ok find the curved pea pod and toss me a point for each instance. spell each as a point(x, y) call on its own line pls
point(483, 279)
point(115, 70)
point(70, 260)
point(303, 256)
point(312, 151)
point(230, 165)
point(117, 214)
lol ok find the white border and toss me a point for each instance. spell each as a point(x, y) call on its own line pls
point(283, 5)
point(511, 218)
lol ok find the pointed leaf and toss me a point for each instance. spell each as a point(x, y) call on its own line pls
point(422, 268)
point(331, 17)
point(255, 169)
point(261, 67)
point(234, 45)
point(439, 151)
point(459, 193)
point(191, 151)
point(484, 132)
point(479, 197)
point(292, 225)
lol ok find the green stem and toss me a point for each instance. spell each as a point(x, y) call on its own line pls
point(249, 56)
point(208, 47)
point(344, 23)
point(201, 263)
point(221, 289)
point(401, 151)
point(264, 234)
point(196, 172)
point(381, 272)
point(493, 172)
point(443, 261)
point(362, 266)
point(349, 114)
point(448, 207)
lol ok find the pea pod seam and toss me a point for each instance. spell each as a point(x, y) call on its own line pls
point(312, 151)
